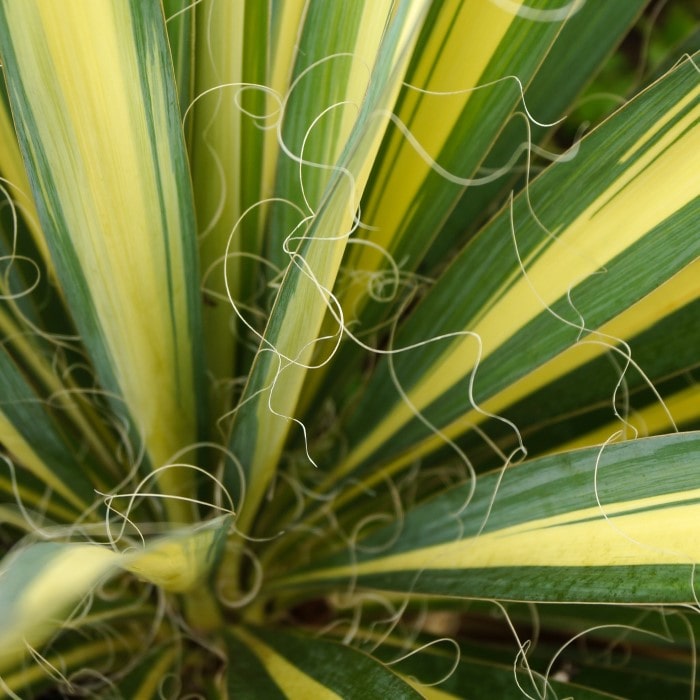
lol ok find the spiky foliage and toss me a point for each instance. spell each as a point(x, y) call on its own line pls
point(328, 354)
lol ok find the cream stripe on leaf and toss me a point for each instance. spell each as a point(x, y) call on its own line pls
point(29, 434)
point(455, 129)
point(307, 666)
point(613, 523)
point(550, 404)
point(595, 29)
point(85, 644)
point(607, 243)
point(40, 582)
point(226, 147)
point(263, 417)
point(94, 102)
point(586, 374)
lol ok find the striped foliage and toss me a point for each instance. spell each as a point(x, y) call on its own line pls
point(332, 352)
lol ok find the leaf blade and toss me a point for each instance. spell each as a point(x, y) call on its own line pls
point(601, 523)
point(40, 581)
point(97, 162)
point(300, 664)
point(517, 320)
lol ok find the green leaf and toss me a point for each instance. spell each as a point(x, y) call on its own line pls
point(545, 274)
point(179, 21)
point(151, 676)
point(284, 664)
point(595, 28)
point(39, 582)
point(441, 666)
point(433, 156)
point(448, 121)
point(607, 523)
point(228, 134)
point(643, 387)
point(244, 260)
point(265, 412)
point(30, 434)
point(109, 174)
point(89, 643)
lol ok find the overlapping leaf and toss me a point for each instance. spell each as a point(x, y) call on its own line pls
point(316, 243)
point(548, 272)
point(603, 523)
point(330, 146)
point(109, 174)
point(283, 665)
point(41, 581)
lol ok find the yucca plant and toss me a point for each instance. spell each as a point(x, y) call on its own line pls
point(328, 358)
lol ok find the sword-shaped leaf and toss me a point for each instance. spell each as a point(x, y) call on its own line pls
point(614, 523)
point(283, 665)
point(549, 271)
point(40, 582)
point(94, 103)
point(345, 146)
